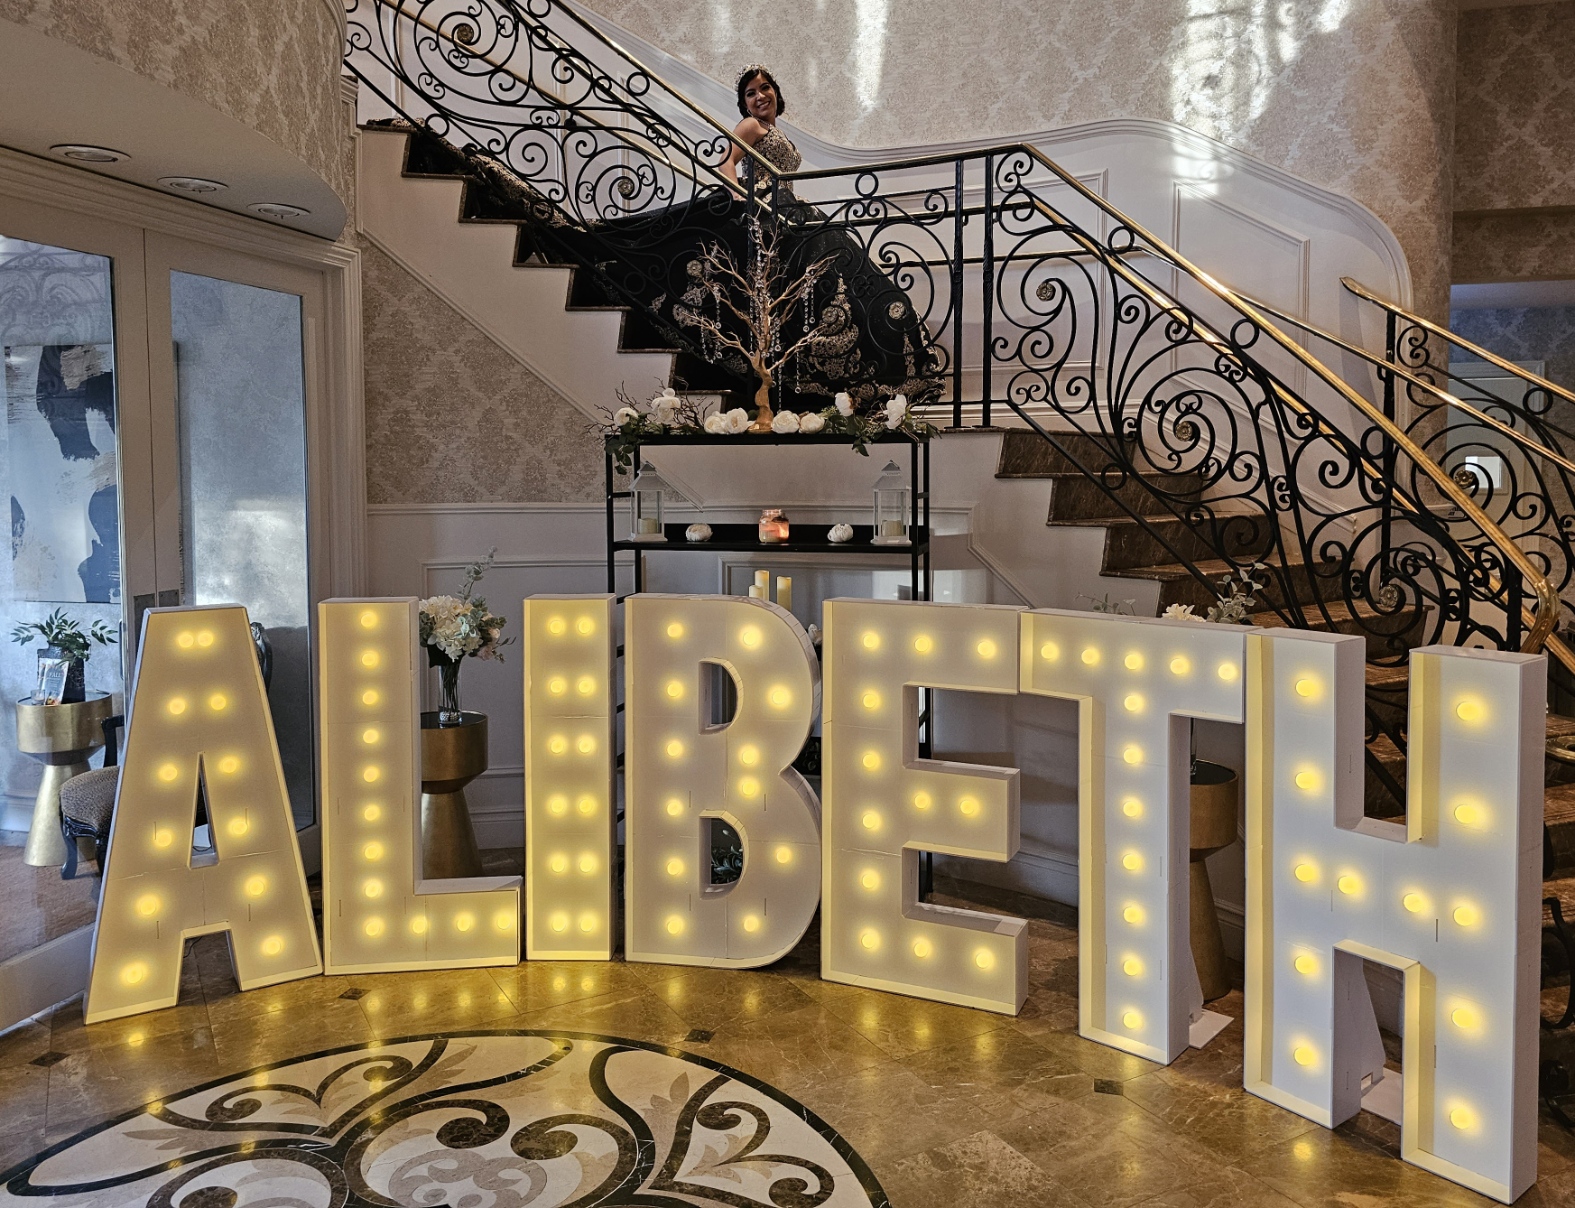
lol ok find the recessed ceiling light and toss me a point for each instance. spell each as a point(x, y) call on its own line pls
point(192, 184)
point(88, 154)
point(277, 209)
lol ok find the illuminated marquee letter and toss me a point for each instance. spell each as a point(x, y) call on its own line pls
point(570, 830)
point(682, 767)
point(199, 721)
point(1450, 899)
point(884, 805)
point(378, 912)
point(1137, 683)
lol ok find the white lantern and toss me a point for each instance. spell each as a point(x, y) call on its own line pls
point(645, 505)
point(893, 505)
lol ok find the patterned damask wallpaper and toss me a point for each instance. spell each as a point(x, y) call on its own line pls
point(271, 64)
point(1515, 247)
point(1354, 95)
point(451, 417)
point(1515, 123)
point(1542, 333)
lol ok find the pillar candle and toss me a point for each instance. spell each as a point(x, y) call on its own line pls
point(756, 592)
point(785, 592)
point(763, 580)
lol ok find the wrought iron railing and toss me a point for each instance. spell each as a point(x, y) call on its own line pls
point(998, 281)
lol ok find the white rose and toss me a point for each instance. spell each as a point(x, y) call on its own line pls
point(896, 410)
point(716, 425)
point(664, 407)
point(844, 404)
point(737, 421)
point(624, 414)
point(784, 423)
point(811, 423)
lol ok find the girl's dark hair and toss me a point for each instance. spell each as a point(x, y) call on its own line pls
point(759, 73)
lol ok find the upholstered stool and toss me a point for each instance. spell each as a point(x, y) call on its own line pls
point(87, 802)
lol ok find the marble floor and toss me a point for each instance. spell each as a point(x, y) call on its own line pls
point(767, 1087)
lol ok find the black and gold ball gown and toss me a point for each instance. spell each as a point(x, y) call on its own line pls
point(870, 342)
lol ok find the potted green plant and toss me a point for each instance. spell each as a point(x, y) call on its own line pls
point(65, 642)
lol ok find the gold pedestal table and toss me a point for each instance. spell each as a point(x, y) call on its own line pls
point(451, 757)
point(1214, 796)
point(62, 737)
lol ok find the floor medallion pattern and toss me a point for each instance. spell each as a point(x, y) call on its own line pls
point(472, 1120)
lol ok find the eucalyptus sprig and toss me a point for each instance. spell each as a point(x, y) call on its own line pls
point(65, 634)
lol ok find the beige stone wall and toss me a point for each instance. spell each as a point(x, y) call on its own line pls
point(271, 64)
point(451, 417)
point(1353, 95)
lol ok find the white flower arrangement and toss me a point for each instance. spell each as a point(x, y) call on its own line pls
point(462, 626)
point(1180, 612)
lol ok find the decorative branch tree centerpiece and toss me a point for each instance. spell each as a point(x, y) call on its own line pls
point(761, 297)
point(454, 628)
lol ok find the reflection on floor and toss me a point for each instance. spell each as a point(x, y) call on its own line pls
point(36, 906)
point(947, 1106)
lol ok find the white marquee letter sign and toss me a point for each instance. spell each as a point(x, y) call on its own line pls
point(681, 769)
point(570, 830)
point(199, 717)
point(379, 914)
point(1137, 683)
point(1450, 899)
point(884, 805)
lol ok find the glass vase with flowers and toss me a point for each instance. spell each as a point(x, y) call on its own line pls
point(454, 628)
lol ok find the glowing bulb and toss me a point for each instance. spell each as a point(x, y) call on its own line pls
point(148, 905)
point(1465, 1018)
point(168, 772)
point(1306, 686)
point(1461, 1118)
point(559, 921)
point(229, 765)
point(1180, 665)
point(372, 813)
point(1413, 902)
point(272, 946)
point(557, 744)
point(218, 702)
point(674, 749)
point(1228, 672)
point(1468, 814)
point(238, 827)
point(585, 626)
point(986, 649)
point(1090, 656)
point(134, 973)
point(1131, 1020)
point(1132, 862)
point(465, 921)
point(870, 820)
point(871, 640)
point(586, 745)
point(675, 807)
point(779, 697)
point(177, 706)
point(372, 774)
point(373, 927)
point(871, 760)
point(1133, 703)
point(1133, 661)
point(869, 939)
point(1347, 884)
point(1470, 710)
point(984, 959)
point(373, 888)
point(751, 922)
point(503, 920)
point(371, 735)
point(1132, 966)
point(557, 685)
point(1133, 915)
point(205, 637)
point(1305, 965)
point(1132, 807)
point(749, 637)
point(255, 886)
point(586, 805)
point(1132, 753)
point(557, 625)
point(186, 640)
point(419, 924)
point(922, 801)
point(559, 863)
point(675, 924)
point(675, 867)
point(1467, 915)
point(968, 806)
point(588, 864)
point(1049, 652)
point(922, 948)
point(370, 658)
point(675, 689)
point(870, 879)
point(783, 854)
point(923, 644)
point(370, 697)
point(557, 805)
point(163, 837)
point(748, 786)
point(1305, 873)
point(871, 700)
point(369, 619)
point(1304, 1054)
point(1307, 780)
point(749, 756)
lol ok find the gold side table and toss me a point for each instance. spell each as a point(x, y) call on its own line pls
point(1214, 795)
point(451, 757)
point(62, 737)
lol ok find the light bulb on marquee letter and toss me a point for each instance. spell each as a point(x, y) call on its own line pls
point(570, 827)
point(884, 805)
point(1450, 899)
point(681, 769)
point(1137, 683)
point(379, 914)
point(198, 715)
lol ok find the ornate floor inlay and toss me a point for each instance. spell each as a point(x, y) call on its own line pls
point(473, 1120)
